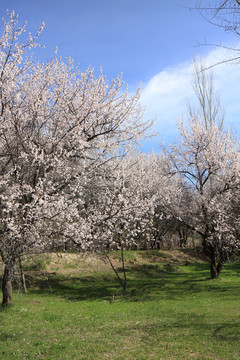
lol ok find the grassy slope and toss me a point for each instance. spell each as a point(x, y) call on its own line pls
point(171, 311)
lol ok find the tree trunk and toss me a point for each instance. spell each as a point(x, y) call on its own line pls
point(220, 266)
point(7, 283)
point(213, 268)
point(216, 269)
point(122, 282)
point(209, 250)
point(124, 270)
point(22, 277)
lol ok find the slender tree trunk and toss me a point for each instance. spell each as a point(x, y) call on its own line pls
point(124, 270)
point(22, 277)
point(122, 282)
point(7, 283)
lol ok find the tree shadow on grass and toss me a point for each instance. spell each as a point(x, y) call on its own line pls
point(144, 283)
point(74, 288)
point(180, 325)
point(5, 337)
point(233, 267)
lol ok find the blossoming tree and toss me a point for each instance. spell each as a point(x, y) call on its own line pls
point(118, 205)
point(57, 124)
point(206, 160)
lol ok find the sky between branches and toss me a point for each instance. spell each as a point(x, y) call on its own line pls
point(149, 41)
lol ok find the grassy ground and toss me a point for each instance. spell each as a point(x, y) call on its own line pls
point(75, 310)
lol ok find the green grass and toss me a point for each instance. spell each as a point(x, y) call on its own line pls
point(170, 311)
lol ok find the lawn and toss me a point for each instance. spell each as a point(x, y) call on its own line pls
point(170, 311)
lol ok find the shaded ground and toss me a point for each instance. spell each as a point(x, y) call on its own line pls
point(150, 274)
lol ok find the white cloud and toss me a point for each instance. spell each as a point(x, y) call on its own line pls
point(167, 95)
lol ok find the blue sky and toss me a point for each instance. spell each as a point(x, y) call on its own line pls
point(149, 41)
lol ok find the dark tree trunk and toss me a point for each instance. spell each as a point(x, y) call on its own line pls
point(209, 250)
point(216, 269)
point(7, 283)
point(213, 268)
point(220, 266)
